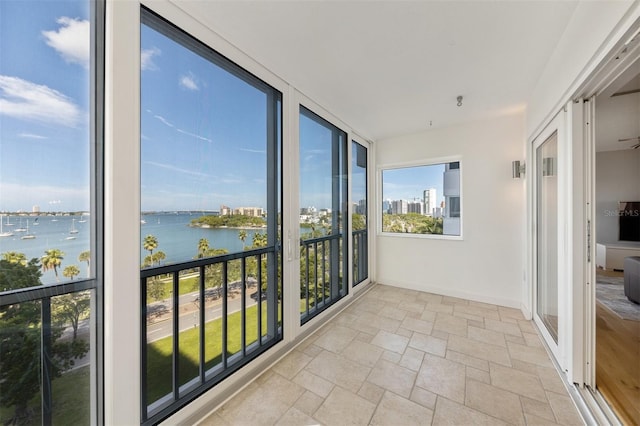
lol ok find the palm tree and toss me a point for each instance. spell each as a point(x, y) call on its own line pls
point(15, 257)
point(243, 236)
point(203, 247)
point(85, 256)
point(150, 243)
point(158, 257)
point(52, 259)
point(259, 239)
point(71, 271)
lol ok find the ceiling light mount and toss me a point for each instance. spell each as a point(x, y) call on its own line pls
point(459, 99)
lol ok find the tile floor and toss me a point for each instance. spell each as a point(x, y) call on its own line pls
point(402, 357)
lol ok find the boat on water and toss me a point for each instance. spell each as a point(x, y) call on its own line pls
point(3, 233)
point(35, 222)
point(28, 236)
point(21, 228)
point(8, 224)
point(73, 228)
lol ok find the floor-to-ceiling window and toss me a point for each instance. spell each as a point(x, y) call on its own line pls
point(359, 216)
point(323, 212)
point(210, 248)
point(50, 211)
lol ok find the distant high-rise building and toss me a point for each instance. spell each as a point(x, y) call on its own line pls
point(225, 211)
point(399, 207)
point(35, 209)
point(386, 206)
point(415, 207)
point(429, 198)
point(249, 211)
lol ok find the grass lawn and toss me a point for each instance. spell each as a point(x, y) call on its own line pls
point(159, 362)
point(71, 400)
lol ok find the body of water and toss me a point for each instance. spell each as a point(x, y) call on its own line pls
point(175, 238)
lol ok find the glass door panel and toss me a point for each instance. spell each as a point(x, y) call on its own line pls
point(359, 217)
point(547, 234)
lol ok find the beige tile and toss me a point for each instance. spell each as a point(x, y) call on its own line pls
point(259, 406)
point(308, 403)
point(418, 325)
point(295, 417)
point(533, 420)
point(428, 344)
point(494, 401)
point(551, 380)
point(443, 377)
point(286, 391)
point(371, 392)
point(392, 377)
point(517, 381)
point(483, 305)
point(214, 420)
point(312, 350)
point(477, 324)
point(486, 336)
point(479, 375)
point(515, 339)
point(338, 370)
point(531, 339)
point(450, 324)
point(394, 357)
point(395, 313)
point(480, 364)
point(539, 409)
point(363, 353)
point(527, 326)
point(404, 332)
point(345, 408)
point(423, 397)
point(314, 383)
point(430, 298)
point(502, 327)
point(291, 364)
point(454, 300)
point(440, 334)
point(394, 410)
point(365, 337)
point(524, 366)
point(451, 413)
point(428, 316)
point(438, 307)
point(412, 359)
point(336, 338)
point(479, 349)
point(532, 355)
point(413, 306)
point(390, 341)
point(564, 409)
point(510, 313)
point(370, 320)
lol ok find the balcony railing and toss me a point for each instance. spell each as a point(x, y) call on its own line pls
point(322, 280)
point(203, 320)
point(360, 246)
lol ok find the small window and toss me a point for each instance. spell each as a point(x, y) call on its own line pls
point(422, 199)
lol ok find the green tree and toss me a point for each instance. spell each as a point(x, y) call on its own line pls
point(158, 257)
point(15, 257)
point(85, 256)
point(52, 259)
point(150, 243)
point(203, 247)
point(20, 348)
point(71, 271)
point(72, 308)
point(242, 234)
point(259, 240)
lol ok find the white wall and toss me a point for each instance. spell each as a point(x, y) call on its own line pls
point(487, 264)
point(576, 54)
point(617, 179)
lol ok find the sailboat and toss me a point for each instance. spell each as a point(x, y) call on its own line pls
point(21, 229)
point(28, 236)
point(2, 233)
point(35, 222)
point(73, 227)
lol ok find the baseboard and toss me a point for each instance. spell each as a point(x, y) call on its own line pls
point(476, 297)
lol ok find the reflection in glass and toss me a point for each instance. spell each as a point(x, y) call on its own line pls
point(547, 234)
point(359, 216)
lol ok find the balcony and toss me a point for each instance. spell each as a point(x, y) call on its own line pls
point(398, 356)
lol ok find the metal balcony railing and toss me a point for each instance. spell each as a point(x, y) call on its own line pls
point(360, 246)
point(201, 321)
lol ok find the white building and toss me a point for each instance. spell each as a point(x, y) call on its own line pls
point(451, 189)
point(429, 198)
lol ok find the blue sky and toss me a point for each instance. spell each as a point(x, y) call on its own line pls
point(44, 104)
point(203, 130)
point(410, 182)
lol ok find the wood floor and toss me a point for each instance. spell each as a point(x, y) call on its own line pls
point(618, 363)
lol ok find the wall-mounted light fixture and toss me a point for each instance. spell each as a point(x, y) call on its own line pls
point(517, 169)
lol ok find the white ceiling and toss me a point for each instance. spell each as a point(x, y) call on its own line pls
point(388, 68)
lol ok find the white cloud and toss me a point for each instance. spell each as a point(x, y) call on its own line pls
point(29, 101)
point(189, 82)
point(31, 136)
point(146, 58)
point(255, 151)
point(163, 120)
point(202, 138)
point(184, 132)
point(71, 40)
point(177, 169)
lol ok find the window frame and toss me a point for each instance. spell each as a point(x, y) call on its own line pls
point(409, 164)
